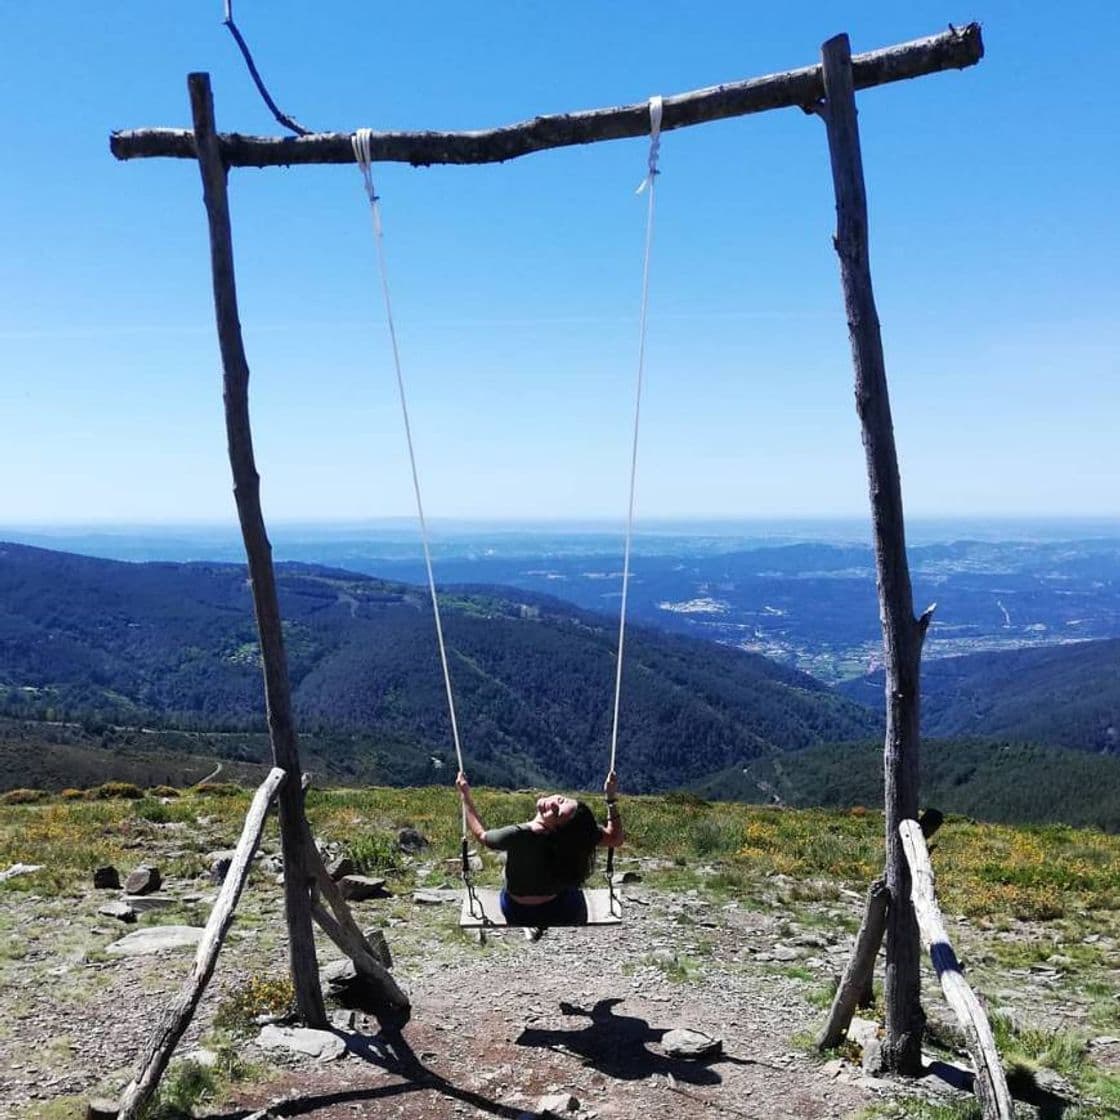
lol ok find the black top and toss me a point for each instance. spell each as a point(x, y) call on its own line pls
point(528, 866)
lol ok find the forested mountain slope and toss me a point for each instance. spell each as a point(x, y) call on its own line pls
point(992, 780)
point(175, 645)
point(1066, 696)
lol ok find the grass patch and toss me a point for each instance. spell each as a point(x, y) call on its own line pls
point(917, 1108)
point(259, 995)
point(722, 850)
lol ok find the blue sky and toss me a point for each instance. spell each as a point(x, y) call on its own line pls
point(995, 238)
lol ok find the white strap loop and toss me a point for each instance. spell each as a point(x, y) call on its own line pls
point(655, 107)
point(361, 144)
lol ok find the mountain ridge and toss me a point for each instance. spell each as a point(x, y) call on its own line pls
point(109, 642)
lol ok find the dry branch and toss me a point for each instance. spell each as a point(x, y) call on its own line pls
point(951, 50)
point(991, 1084)
point(860, 966)
point(178, 1016)
point(341, 928)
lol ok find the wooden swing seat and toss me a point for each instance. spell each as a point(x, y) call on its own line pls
point(601, 910)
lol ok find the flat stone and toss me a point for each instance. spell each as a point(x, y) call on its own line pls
point(810, 940)
point(119, 910)
point(101, 1108)
point(322, 1045)
point(684, 1042)
point(142, 903)
point(433, 897)
point(621, 878)
point(19, 869)
point(782, 952)
point(156, 939)
point(355, 888)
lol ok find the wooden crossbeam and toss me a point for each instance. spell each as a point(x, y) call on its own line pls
point(954, 49)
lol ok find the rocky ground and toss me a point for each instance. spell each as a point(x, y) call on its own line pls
point(580, 1017)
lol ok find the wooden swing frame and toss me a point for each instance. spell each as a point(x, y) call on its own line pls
point(826, 90)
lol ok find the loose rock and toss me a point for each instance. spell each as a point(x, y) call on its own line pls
point(119, 910)
point(684, 1042)
point(143, 880)
point(436, 896)
point(107, 878)
point(410, 840)
point(341, 867)
point(355, 888)
point(557, 1104)
point(302, 1040)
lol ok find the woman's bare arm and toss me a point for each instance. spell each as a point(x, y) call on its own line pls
point(474, 823)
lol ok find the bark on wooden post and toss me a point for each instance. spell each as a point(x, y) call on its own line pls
point(860, 966)
point(178, 1016)
point(298, 868)
point(902, 632)
point(991, 1082)
point(856, 988)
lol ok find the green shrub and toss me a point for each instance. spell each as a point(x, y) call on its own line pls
point(163, 791)
point(71, 794)
point(185, 1085)
point(373, 852)
point(22, 796)
point(152, 810)
point(217, 789)
point(111, 790)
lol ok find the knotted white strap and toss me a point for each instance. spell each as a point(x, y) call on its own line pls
point(655, 106)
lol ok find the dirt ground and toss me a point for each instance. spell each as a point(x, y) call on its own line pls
point(495, 1026)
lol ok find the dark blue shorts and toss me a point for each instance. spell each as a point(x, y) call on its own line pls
point(569, 908)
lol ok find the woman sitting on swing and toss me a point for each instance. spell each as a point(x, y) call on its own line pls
point(548, 858)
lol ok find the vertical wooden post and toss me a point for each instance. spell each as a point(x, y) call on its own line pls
point(294, 835)
point(902, 632)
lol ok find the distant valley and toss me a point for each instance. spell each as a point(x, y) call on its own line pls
point(801, 595)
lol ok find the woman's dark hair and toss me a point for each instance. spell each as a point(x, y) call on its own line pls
point(571, 848)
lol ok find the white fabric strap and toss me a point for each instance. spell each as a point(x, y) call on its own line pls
point(650, 181)
point(361, 144)
point(655, 108)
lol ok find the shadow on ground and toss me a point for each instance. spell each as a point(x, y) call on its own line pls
point(618, 1045)
point(388, 1051)
point(1021, 1083)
